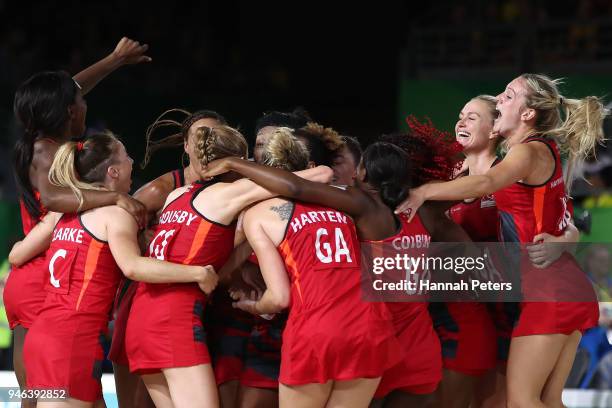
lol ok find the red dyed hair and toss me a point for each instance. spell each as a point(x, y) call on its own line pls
point(434, 154)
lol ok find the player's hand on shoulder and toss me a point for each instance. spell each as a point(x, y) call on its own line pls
point(137, 209)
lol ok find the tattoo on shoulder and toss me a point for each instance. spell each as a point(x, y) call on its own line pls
point(283, 210)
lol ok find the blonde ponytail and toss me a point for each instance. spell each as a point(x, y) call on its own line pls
point(581, 130)
point(285, 151)
point(83, 165)
point(63, 172)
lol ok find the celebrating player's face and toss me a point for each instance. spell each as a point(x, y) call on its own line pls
point(344, 168)
point(474, 127)
point(510, 105)
point(122, 170)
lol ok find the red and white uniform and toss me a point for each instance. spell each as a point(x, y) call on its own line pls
point(467, 332)
point(63, 347)
point(526, 211)
point(24, 292)
point(165, 326)
point(123, 301)
point(479, 218)
point(420, 371)
point(331, 334)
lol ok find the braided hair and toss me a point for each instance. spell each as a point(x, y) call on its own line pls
point(219, 142)
point(179, 137)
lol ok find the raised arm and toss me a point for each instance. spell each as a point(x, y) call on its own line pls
point(516, 166)
point(286, 184)
point(126, 52)
point(63, 200)
point(121, 234)
point(36, 242)
point(277, 294)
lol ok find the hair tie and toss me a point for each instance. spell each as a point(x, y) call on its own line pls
point(79, 146)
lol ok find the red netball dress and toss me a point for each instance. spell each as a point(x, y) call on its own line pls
point(244, 347)
point(479, 218)
point(421, 369)
point(331, 333)
point(63, 347)
point(24, 292)
point(528, 210)
point(123, 301)
point(466, 329)
point(165, 326)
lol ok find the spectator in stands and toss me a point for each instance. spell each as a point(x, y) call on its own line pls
point(600, 180)
point(597, 265)
point(594, 345)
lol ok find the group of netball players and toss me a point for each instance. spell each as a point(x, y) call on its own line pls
point(236, 283)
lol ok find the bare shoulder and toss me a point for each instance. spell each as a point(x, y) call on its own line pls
point(43, 153)
point(110, 212)
point(271, 216)
point(276, 208)
point(539, 146)
point(531, 161)
point(223, 187)
point(161, 186)
point(270, 212)
point(46, 146)
point(103, 220)
point(219, 195)
point(523, 149)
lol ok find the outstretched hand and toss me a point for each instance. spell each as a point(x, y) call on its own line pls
point(411, 205)
point(129, 51)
